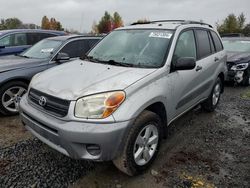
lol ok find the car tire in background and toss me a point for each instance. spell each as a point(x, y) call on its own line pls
point(213, 100)
point(10, 95)
point(141, 145)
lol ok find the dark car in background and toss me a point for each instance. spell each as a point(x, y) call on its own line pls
point(17, 40)
point(16, 71)
point(238, 59)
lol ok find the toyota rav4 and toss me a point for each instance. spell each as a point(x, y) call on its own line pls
point(116, 103)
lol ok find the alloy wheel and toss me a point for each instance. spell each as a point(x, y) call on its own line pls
point(12, 97)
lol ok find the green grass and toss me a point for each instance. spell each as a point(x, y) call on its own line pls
point(246, 95)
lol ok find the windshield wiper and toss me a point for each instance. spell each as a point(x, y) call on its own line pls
point(109, 62)
point(20, 55)
point(90, 58)
point(113, 62)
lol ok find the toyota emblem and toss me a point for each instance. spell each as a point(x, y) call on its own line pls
point(42, 101)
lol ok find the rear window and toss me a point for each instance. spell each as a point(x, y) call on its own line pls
point(203, 43)
point(217, 41)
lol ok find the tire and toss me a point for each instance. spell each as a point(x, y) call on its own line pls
point(126, 162)
point(11, 92)
point(211, 103)
point(245, 81)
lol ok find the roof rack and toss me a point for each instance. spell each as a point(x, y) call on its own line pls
point(173, 21)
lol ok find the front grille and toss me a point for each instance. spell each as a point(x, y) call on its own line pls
point(56, 106)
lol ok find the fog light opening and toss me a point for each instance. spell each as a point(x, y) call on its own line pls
point(93, 149)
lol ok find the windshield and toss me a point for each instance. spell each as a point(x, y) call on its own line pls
point(138, 48)
point(237, 45)
point(43, 49)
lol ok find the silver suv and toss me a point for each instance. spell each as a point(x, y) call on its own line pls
point(116, 103)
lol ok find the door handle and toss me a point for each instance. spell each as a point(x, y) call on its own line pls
point(198, 68)
point(216, 59)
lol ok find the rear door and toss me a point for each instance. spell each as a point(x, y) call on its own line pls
point(207, 62)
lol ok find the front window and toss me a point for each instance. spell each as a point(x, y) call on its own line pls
point(43, 49)
point(137, 48)
point(185, 46)
point(237, 45)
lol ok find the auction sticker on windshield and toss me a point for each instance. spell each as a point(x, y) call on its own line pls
point(48, 50)
point(160, 34)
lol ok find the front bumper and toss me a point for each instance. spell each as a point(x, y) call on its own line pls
point(236, 76)
point(73, 137)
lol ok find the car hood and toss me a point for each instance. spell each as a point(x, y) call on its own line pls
point(13, 62)
point(238, 57)
point(79, 78)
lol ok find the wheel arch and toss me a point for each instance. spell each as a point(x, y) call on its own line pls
point(20, 79)
point(222, 77)
point(160, 109)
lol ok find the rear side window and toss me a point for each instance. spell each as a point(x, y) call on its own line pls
point(17, 39)
point(203, 43)
point(33, 38)
point(36, 37)
point(211, 43)
point(217, 42)
point(185, 46)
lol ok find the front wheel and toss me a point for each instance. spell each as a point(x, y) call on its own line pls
point(142, 144)
point(10, 95)
point(211, 103)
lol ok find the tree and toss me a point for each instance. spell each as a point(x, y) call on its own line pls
point(45, 23)
point(117, 19)
point(51, 24)
point(246, 30)
point(2, 24)
point(241, 21)
point(107, 23)
point(229, 25)
point(232, 24)
point(12, 23)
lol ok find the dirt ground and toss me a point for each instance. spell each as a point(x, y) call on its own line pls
point(202, 150)
point(11, 131)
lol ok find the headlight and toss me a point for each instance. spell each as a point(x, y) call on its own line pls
point(99, 106)
point(240, 67)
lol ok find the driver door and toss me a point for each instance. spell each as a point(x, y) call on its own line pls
point(184, 83)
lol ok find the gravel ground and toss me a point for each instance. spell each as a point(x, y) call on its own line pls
point(32, 164)
point(202, 150)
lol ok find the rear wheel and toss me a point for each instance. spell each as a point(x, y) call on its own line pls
point(142, 144)
point(10, 96)
point(211, 103)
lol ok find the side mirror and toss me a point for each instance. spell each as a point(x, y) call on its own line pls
point(185, 63)
point(2, 46)
point(62, 57)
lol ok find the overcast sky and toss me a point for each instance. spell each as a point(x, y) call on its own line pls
point(80, 14)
